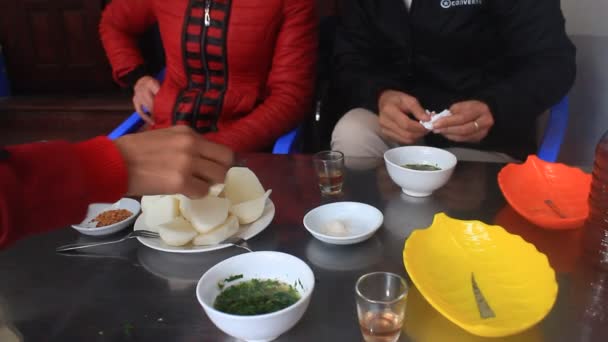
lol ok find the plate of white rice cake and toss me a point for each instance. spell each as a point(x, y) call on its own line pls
point(239, 207)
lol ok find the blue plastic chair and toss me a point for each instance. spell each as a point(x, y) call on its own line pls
point(284, 145)
point(5, 88)
point(555, 132)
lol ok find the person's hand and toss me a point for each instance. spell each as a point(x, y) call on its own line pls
point(470, 122)
point(394, 107)
point(145, 90)
point(175, 160)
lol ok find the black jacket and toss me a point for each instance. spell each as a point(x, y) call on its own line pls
point(513, 55)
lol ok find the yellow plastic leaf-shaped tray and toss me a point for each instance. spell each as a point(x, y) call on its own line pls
point(425, 324)
point(515, 280)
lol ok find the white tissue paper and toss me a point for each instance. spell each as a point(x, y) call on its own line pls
point(434, 117)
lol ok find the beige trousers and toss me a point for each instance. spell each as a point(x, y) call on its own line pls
point(358, 135)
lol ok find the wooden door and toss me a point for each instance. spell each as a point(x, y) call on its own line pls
point(53, 46)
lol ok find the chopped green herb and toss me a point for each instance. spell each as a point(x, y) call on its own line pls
point(222, 283)
point(233, 278)
point(422, 167)
point(256, 297)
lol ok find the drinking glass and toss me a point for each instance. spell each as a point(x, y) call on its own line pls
point(329, 166)
point(381, 300)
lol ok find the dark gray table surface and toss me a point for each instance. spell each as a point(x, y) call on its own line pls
point(128, 292)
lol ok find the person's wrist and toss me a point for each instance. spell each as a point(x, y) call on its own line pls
point(141, 81)
point(488, 102)
point(384, 94)
point(131, 77)
point(104, 168)
point(122, 145)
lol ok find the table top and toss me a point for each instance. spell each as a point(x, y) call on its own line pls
point(128, 292)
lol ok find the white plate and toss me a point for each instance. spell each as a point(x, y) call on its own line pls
point(361, 220)
point(95, 209)
point(246, 231)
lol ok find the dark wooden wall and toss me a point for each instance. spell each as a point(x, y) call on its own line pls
point(53, 46)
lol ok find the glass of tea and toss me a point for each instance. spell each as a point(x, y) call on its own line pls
point(329, 166)
point(381, 300)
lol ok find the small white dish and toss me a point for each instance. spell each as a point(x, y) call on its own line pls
point(88, 228)
point(360, 220)
point(261, 265)
point(418, 183)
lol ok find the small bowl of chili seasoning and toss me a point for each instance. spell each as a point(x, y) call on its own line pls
point(107, 218)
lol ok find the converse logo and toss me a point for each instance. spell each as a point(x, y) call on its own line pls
point(456, 3)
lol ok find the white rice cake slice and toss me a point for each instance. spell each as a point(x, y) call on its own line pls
point(216, 190)
point(219, 234)
point(252, 210)
point(242, 185)
point(160, 210)
point(177, 232)
point(205, 213)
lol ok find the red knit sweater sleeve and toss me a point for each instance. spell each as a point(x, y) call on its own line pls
point(49, 185)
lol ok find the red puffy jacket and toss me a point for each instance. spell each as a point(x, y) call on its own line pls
point(253, 82)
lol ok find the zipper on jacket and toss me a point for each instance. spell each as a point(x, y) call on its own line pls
point(220, 105)
point(410, 38)
point(196, 109)
point(204, 43)
point(204, 51)
point(207, 15)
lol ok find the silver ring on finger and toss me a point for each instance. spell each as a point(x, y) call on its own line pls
point(476, 125)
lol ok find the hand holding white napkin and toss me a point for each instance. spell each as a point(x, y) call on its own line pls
point(434, 117)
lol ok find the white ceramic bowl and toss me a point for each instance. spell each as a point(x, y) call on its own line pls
point(419, 183)
point(261, 265)
point(95, 209)
point(361, 221)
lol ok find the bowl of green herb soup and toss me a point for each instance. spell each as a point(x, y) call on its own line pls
point(419, 170)
point(256, 296)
